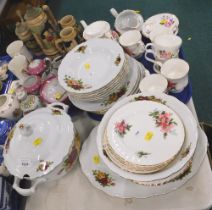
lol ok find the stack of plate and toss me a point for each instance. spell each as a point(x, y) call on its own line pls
point(148, 138)
point(97, 73)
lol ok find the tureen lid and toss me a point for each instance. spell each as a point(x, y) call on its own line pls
point(38, 142)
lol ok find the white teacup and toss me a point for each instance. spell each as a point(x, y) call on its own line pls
point(164, 47)
point(97, 29)
point(154, 83)
point(18, 66)
point(175, 70)
point(127, 20)
point(18, 48)
point(131, 41)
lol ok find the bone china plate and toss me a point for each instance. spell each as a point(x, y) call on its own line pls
point(91, 65)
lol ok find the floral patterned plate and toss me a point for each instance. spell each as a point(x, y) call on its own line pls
point(91, 65)
point(109, 182)
point(191, 131)
point(136, 73)
point(145, 133)
point(169, 21)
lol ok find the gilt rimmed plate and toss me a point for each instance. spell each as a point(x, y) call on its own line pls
point(167, 20)
point(145, 133)
point(112, 184)
point(191, 135)
point(38, 143)
point(91, 65)
point(125, 90)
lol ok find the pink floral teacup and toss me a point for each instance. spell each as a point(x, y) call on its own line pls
point(164, 47)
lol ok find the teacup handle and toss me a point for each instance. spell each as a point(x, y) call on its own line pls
point(58, 46)
point(83, 23)
point(114, 12)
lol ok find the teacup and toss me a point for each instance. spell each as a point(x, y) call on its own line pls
point(18, 48)
point(97, 29)
point(154, 83)
point(131, 41)
point(18, 66)
point(164, 47)
point(67, 40)
point(159, 30)
point(127, 20)
point(175, 70)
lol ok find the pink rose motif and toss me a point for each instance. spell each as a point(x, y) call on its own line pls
point(121, 128)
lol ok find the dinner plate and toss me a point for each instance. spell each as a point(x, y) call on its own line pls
point(38, 143)
point(136, 73)
point(191, 135)
point(91, 65)
point(112, 184)
point(145, 133)
point(167, 20)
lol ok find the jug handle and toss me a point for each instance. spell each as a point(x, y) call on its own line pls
point(83, 23)
point(114, 12)
point(26, 192)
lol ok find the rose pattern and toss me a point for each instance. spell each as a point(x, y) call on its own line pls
point(75, 84)
point(164, 121)
point(122, 127)
point(103, 178)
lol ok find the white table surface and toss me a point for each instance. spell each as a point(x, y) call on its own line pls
point(75, 192)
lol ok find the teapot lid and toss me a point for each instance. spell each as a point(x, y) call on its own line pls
point(32, 12)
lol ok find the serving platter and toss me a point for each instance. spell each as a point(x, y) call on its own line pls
point(112, 184)
point(191, 136)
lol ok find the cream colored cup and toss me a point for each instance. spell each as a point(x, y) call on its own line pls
point(18, 66)
point(175, 70)
point(154, 83)
point(18, 48)
point(164, 47)
point(97, 29)
point(131, 41)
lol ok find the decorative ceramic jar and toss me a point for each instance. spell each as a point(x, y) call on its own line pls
point(33, 153)
point(31, 103)
point(9, 107)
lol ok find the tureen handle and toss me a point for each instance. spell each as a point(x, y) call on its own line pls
point(114, 12)
point(27, 192)
point(59, 106)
